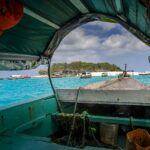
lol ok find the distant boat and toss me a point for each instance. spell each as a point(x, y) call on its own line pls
point(85, 75)
point(15, 77)
point(124, 73)
point(104, 74)
point(56, 75)
point(144, 74)
point(121, 75)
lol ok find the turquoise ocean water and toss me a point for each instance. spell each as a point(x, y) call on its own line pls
point(14, 91)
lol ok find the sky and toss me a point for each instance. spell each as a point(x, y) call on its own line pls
point(99, 42)
point(104, 42)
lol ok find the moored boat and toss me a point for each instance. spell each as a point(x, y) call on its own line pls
point(104, 74)
point(144, 74)
point(85, 75)
point(15, 77)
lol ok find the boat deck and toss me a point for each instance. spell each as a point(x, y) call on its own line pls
point(124, 91)
point(21, 142)
point(115, 97)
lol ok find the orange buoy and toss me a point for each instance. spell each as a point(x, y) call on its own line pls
point(11, 12)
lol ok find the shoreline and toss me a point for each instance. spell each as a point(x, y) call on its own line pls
point(93, 74)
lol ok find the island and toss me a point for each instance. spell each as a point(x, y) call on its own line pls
point(75, 68)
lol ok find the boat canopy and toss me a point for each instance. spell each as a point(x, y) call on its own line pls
point(45, 23)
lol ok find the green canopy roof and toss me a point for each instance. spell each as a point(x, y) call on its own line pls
point(46, 22)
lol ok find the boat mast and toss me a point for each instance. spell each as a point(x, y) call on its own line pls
point(125, 71)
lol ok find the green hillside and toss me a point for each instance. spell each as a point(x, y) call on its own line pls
point(81, 66)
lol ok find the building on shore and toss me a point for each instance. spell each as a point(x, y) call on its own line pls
point(113, 73)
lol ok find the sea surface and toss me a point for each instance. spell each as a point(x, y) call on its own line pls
point(15, 91)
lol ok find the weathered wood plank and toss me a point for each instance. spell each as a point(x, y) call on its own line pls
point(119, 97)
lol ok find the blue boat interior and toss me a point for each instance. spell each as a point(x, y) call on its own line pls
point(31, 125)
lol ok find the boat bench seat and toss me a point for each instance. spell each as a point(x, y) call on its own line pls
point(16, 142)
point(107, 97)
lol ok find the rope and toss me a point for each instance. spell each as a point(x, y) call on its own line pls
point(83, 135)
point(131, 122)
point(73, 121)
point(51, 83)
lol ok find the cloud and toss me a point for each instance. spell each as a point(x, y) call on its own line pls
point(103, 25)
point(78, 40)
point(123, 43)
point(78, 45)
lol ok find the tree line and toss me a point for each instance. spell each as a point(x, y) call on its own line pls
point(80, 66)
